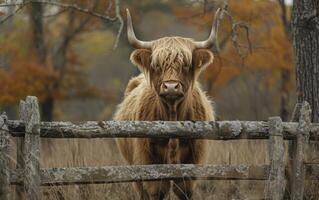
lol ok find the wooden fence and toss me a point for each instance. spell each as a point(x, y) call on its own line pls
point(29, 176)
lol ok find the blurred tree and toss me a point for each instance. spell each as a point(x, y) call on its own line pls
point(252, 38)
point(305, 19)
point(285, 73)
point(305, 29)
point(54, 26)
point(40, 49)
point(8, 28)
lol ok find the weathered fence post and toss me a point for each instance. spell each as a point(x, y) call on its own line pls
point(291, 146)
point(4, 159)
point(20, 149)
point(275, 185)
point(298, 156)
point(31, 117)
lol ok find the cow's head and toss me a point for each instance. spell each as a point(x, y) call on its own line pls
point(172, 64)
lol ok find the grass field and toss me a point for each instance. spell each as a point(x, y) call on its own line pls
point(100, 152)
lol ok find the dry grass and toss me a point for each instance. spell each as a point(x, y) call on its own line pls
point(101, 152)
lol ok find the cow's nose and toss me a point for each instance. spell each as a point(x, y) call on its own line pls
point(171, 90)
point(171, 87)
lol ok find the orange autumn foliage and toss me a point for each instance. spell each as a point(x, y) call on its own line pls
point(271, 50)
point(22, 75)
point(24, 79)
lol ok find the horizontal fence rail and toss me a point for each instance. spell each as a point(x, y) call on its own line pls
point(28, 176)
point(131, 173)
point(220, 130)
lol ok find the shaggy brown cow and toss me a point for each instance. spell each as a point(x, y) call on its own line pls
point(167, 89)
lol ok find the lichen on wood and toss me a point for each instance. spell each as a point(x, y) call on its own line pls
point(4, 159)
point(31, 176)
point(312, 172)
point(275, 185)
point(130, 173)
point(31, 117)
point(220, 130)
point(20, 148)
point(299, 167)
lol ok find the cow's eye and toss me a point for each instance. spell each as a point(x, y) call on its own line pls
point(186, 67)
point(156, 68)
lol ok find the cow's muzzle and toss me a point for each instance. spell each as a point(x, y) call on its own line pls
point(171, 91)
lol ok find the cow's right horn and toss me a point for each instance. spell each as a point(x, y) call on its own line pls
point(213, 34)
point(131, 35)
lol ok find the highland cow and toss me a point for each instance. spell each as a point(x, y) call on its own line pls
point(168, 90)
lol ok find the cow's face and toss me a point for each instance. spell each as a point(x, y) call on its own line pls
point(172, 65)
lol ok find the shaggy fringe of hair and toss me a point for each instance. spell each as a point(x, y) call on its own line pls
point(171, 52)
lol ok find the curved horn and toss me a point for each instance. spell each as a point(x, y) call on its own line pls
point(210, 41)
point(131, 35)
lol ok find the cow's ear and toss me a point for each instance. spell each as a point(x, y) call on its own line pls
point(202, 58)
point(141, 58)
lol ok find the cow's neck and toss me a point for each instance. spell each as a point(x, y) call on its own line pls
point(174, 112)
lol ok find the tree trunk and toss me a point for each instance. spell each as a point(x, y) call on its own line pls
point(47, 107)
point(305, 21)
point(36, 14)
point(4, 58)
point(39, 46)
point(305, 24)
point(284, 98)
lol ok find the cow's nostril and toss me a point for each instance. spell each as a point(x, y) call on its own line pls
point(171, 90)
point(170, 85)
point(176, 86)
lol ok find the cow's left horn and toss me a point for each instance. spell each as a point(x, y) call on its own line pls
point(131, 35)
point(210, 41)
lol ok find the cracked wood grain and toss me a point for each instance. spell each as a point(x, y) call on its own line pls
point(220, 130)
point(20, 148)
point(299, 167)
point(31, 117)
point(275, 186)
point(4, 159)
point(130, 173)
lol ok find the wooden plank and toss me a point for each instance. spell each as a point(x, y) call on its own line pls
point(88, 175)
point(294, 118)
point(220, 130)
point(312, 172)
point(291, 149)
point(298, 168)
point(130, 173)
point(20, 148)
point(31, 179)
point(4, 159)
point(275, 186)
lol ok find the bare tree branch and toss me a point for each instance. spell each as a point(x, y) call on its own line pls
point(64, 5)
point(116, 17)
point(235, 25)
point(107, 12)
point(56, 14)
point(11, 14)
point(119, 17)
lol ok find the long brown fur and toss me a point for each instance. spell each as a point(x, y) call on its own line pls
point(166, 60)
